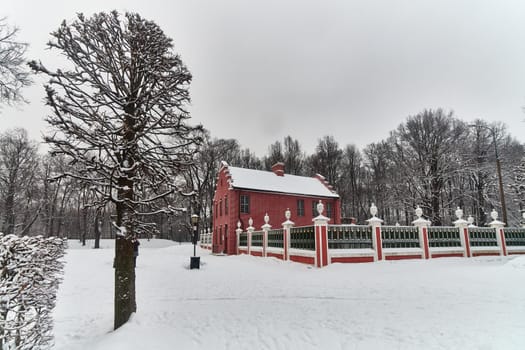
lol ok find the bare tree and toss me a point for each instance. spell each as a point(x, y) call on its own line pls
point(379, 173)
point(294, 157)
point(18, 164)
point(120, 116)
point(350, 186)
point(13, 73)
point(290, 153)
point(426, 147)
point(275, 155)
point(327, 159)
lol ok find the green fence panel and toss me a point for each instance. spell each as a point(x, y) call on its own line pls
point(275, 238)
point(400, 236)
point(515, 237)
point(482, 237)
point(257, 239)
point(444, 236)
point(349, 237)
point(302, 237)
point(243, 239)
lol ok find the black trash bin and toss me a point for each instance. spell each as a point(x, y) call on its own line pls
point(195, 262)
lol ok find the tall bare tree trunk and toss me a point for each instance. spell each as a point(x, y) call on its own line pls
point(125, 302)
point(98, 227)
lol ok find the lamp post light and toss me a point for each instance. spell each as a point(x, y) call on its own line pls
point(498, 170)
point(194, 260)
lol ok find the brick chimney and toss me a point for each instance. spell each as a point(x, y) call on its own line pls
point(278, 169)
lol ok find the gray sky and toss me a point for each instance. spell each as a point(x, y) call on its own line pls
point(352, 69)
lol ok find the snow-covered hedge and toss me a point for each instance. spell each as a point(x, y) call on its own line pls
point(31, 269)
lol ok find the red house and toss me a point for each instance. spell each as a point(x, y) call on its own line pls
point(242, 194)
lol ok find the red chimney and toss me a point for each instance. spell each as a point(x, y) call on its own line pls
point(278, 169)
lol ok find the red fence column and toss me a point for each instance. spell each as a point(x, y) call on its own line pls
point(321, 237)
point(377, 241)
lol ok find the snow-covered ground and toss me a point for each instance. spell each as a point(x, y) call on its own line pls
point(243, 302)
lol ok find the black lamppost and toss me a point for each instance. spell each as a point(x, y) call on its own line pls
point(194, 260)
point(498, 170)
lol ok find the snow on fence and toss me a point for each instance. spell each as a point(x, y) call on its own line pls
point(322, 244)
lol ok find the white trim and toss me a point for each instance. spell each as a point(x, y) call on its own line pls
point(301, 252)
point(489, 249)
point(402, 251)
point(342, 253)
point(438, 250)
point(516, 249)
point(275, 250)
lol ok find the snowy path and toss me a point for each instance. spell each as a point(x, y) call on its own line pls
point(240, 302)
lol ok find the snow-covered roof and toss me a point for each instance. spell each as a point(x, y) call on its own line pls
point(259, 180)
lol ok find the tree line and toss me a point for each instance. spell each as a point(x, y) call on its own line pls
point(432, 159)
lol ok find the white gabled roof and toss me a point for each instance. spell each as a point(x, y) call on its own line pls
point(268, 181)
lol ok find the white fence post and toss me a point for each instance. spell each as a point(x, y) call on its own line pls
point(462, 226)
point(266, 227)
point(375, 222)
point(500, 235)
point(250, 230)
point(287, 225)
point(422, 226)
point(321, 237)
point(238, 232)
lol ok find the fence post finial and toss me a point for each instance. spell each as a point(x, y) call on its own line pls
point(373, 210)
point(470, 221)
point(419, 212)
point(459, 213)
point(320, 207)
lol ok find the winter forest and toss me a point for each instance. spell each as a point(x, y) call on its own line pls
point(433, 159)
point(122, 157)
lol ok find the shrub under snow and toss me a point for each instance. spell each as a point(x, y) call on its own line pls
point(31, 269)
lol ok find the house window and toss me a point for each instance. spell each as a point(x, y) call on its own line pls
point(329, 209)
point(245, 204)
point(220, 207)
point(300, 207)
point(226, 206)
point(216, 210)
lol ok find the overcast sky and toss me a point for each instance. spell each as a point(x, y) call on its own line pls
point(352, 69)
